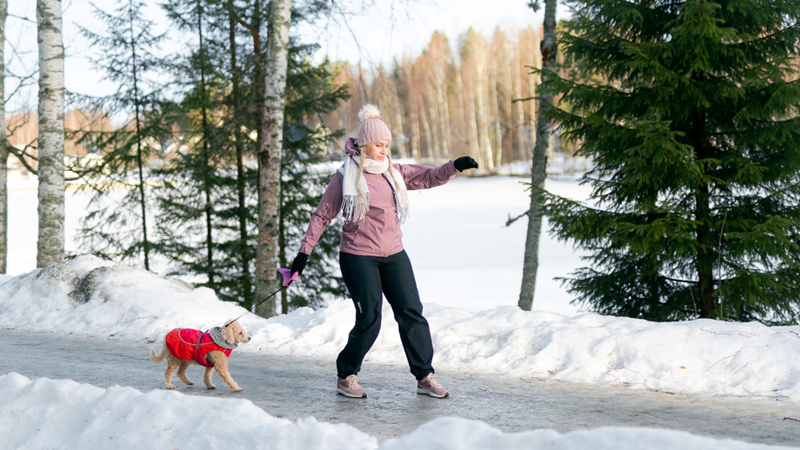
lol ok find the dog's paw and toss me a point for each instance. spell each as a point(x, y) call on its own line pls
point(211, 386)
point(170, 386)
point(189, 383)
point(236, 388)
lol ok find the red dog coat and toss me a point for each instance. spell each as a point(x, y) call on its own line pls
point(188, 344)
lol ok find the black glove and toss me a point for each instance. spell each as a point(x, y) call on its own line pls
point(464, 163)
point(299, 264)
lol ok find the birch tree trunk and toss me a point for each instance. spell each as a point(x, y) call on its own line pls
point(475, 143)
point(269, 154)
point(415, 140)
point(3, 145)
point(50, 246)
point(531, 264)
point(427, 129)
point(495, 111)
point(483, 113)
point(435, 148)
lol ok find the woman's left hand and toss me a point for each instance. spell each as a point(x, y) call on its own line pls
point(465, 162)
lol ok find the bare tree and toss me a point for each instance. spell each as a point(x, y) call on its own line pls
point(269, 153)
point(3, 145)
point(531, 264)
point(479, 60)
point(50, 246)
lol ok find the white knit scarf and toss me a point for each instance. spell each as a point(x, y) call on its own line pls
point(355, 205)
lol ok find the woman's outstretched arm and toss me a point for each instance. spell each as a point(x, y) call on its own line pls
point(327, 209)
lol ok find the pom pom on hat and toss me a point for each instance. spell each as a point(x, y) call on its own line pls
point(372, 128)
point(369, 112)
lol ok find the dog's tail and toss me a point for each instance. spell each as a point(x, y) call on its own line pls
point(160, 357)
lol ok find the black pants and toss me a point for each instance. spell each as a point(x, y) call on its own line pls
point(366, 277)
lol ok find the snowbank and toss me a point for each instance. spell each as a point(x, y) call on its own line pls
point(64, 414)
point(95, 297)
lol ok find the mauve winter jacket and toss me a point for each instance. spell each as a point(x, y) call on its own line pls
point(379, 233)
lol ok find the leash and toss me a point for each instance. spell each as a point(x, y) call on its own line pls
point(256, 305)
point(189, 343)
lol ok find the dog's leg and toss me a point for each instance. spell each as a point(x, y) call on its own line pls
point(220, 362)
point(207, 377)
point(172, 364)
point(182, 373)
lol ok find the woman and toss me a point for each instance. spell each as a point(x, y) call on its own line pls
point(371, 192)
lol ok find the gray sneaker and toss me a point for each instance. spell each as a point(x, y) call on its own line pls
point(349, 387)
point(431, 386)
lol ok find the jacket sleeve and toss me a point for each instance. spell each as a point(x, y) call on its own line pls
point(327, 209)
point(424, 177)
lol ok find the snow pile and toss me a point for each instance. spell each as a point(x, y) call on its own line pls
point(702, 356)
point(95, 297)
point(64, 414)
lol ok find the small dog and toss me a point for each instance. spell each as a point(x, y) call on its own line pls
point(185, 346)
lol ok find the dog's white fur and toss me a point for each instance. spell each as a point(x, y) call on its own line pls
point(233, 334)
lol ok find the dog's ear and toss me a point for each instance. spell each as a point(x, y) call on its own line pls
point(228, 333)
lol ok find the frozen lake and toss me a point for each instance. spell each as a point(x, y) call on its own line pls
point(463, 254)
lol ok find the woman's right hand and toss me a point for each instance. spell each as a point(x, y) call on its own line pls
point(298, 265)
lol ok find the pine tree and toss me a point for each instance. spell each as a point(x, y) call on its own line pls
point(690, 112)
point(221, 78)
point(189, 226)
point(117, 227)
point(311, 92)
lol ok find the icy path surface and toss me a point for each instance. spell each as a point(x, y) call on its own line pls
point(297, 388)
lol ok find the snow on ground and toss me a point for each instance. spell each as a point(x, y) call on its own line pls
point(90, 296)
point(46, 413)
point(468, 268)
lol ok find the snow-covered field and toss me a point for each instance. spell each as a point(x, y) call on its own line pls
point(475, 327)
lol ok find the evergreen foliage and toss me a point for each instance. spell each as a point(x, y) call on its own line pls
point(689, 110)
point(197, 156)
point(116, 225)
point(208, 231)
point(311, 92)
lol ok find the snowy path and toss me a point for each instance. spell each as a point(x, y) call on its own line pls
point(294, 387)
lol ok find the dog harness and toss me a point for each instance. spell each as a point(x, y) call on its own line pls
point(188, 344)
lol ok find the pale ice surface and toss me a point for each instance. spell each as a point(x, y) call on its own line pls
point(469, 288)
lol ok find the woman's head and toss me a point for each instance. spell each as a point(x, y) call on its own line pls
point(378, 150)
point(372, 128)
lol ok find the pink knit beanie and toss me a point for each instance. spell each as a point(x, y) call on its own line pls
point(372, 128)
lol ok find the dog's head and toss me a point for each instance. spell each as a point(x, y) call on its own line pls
point(233, 333)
